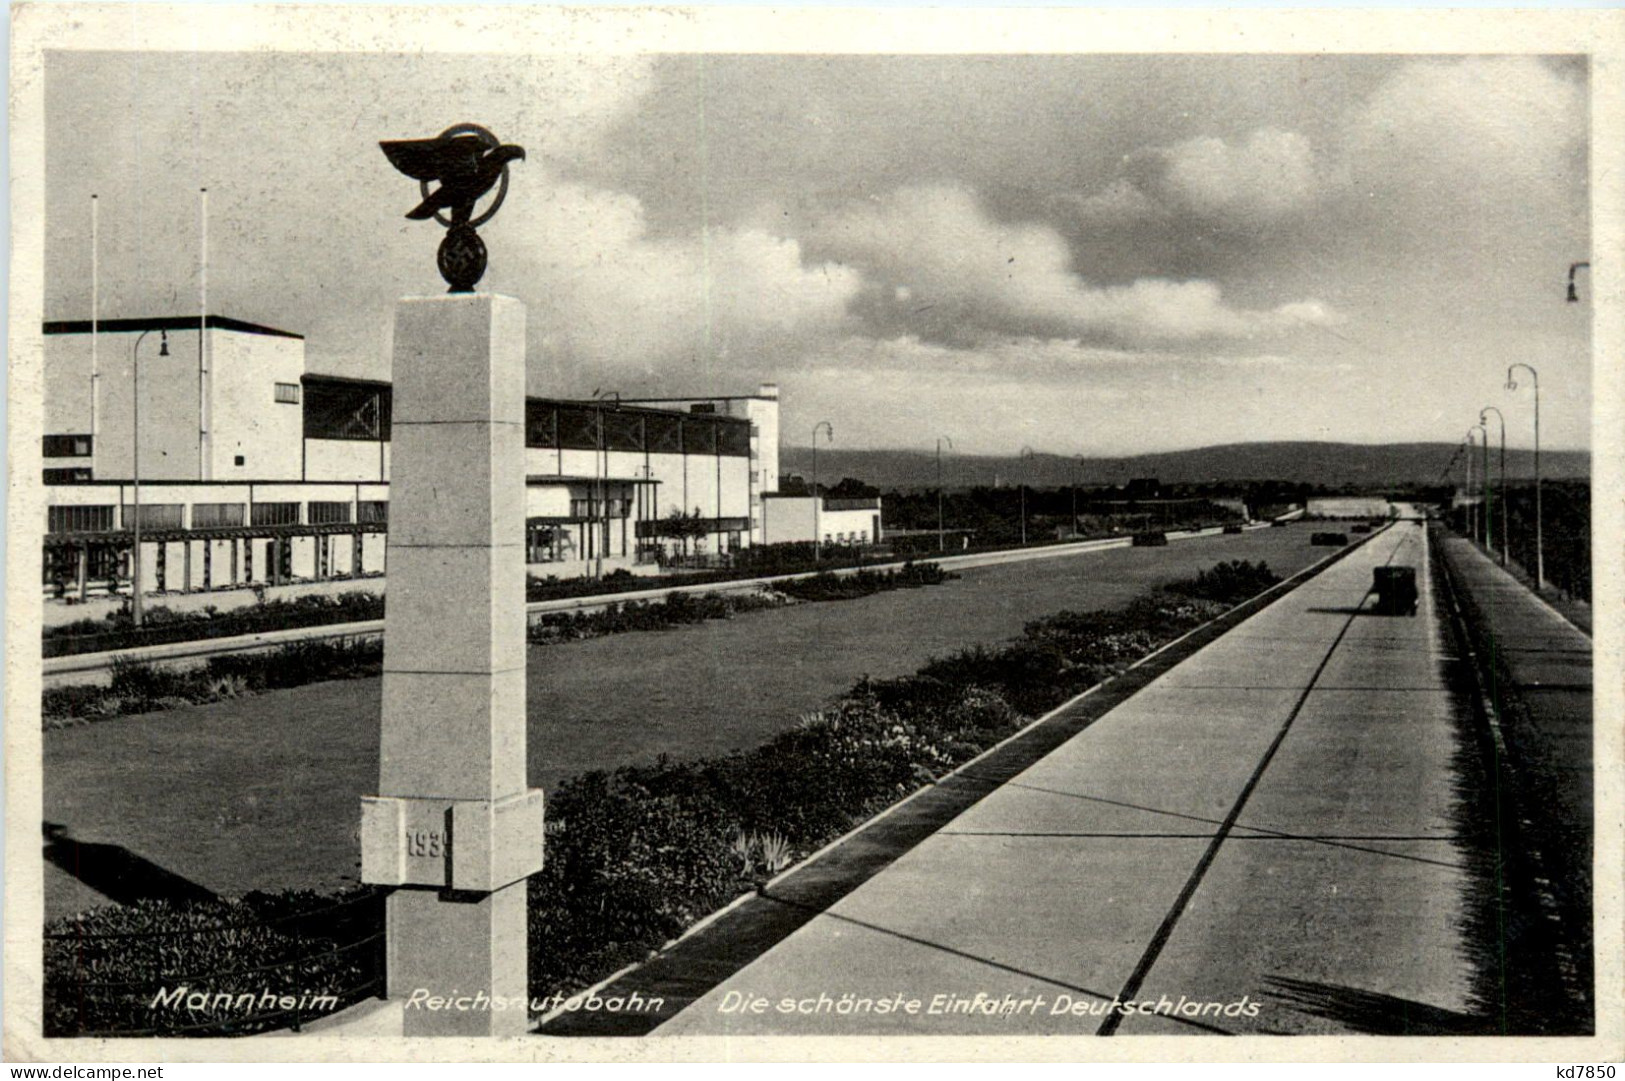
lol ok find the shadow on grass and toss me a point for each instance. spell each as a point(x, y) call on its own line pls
point(116, 872)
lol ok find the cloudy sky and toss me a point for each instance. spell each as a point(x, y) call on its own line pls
point(1084, 254)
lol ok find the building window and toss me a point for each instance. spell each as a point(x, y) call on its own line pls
point(67, 446)
point(541, 424)
point(732, 438)
point(664, 433)
point(78, 519)
point(578, 427)
point(67, 476)
point(275, 514)
point(372, 510)
point(288, 393)
point(355, 411)
point(216, 515)
point(155, 515)
point(238, 460)
point(591, 509)
point(327, 513)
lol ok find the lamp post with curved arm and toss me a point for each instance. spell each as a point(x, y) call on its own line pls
point(942, 543)
point(818, 538)
point(1574, 294)
point(1540, 537)
point(1027, 454)
point(135, 467)
point(1502, 467)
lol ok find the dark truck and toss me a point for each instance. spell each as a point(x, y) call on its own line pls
point(1395, 588)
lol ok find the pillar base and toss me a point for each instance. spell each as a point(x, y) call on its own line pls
point(457, 962)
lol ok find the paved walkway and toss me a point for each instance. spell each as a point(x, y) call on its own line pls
point(1538, 681)
point(1267, 827)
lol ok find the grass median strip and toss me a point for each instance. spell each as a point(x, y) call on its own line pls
point(145, 688)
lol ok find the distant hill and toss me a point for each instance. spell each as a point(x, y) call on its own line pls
point(1331, 464)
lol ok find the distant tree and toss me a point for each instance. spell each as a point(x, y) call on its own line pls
point(852, 488)
point(684, 526)
point(793, 484)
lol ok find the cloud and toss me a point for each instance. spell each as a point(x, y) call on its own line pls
point(934, 263)
point(1264, 178)
point(1268, 177)
point(1498, 133)
point(613, 294)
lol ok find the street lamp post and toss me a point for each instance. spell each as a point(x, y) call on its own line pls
point(1502, 498)
point(942, 543)
point(1027, 454)
point(600, 462)
point(1077, 479)
point(135, 467)
point(1540, 537)
point(1483, 483)
point(1473, 512)
point(818, 540)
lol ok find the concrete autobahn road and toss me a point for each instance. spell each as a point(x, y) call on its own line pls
point(95, 667)
point(1262, 838)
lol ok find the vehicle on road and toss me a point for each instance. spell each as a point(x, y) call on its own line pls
point(1395, 588)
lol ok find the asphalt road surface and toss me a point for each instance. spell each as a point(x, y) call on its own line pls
point(1263, 840)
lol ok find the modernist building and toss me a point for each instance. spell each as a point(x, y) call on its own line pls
point(252, 470)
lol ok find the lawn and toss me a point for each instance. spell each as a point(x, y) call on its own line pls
point(263, 793)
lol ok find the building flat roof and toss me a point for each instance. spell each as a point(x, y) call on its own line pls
point(165, 322)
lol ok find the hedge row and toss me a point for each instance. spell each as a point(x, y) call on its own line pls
point(162, 625)
point(638, 854)
point(143, 688)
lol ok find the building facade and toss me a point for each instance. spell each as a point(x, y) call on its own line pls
point(788, 518)
point(253, 471)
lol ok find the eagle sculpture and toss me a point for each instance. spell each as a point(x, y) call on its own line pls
point(465, 165)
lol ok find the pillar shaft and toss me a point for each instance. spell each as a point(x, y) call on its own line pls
point(453, 809)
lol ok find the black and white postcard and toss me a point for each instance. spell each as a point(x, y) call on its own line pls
point(547, 533)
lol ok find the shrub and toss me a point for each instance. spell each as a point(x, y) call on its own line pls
point(103, 968)
point(140, 688)
point(162, 624)
point(1228, 583)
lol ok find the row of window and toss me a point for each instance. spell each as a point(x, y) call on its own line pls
point(216, 515)
point(551, 426)
point(859, 537)
point(364, 411)
point(607, 508)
